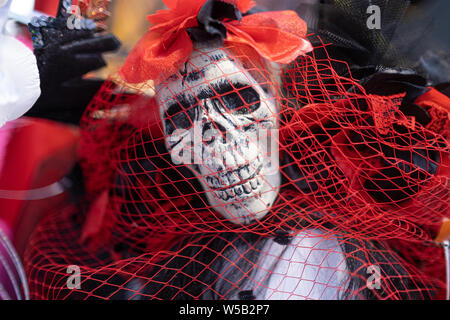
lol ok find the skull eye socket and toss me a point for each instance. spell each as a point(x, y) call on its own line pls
point(242, 101)
point(237, 98)
point(180, 116)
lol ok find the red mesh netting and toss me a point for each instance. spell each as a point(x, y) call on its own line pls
point(236, 180)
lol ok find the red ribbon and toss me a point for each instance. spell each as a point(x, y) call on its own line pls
point(278, 36)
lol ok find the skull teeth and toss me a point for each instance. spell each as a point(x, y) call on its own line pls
point(223, 195)
point(227, 179)
point(243, 172)
point(247, 188)
point(240, 191)
point(240, 174)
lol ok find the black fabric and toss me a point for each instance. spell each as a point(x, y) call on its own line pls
point(210, 28)
point(64, 55)
point(444, 88)
point(343, 23)
point(67, 102)
point(388, 82)
point(185, 278)
point(282, 237)
point(413, 35)
point(246, 295)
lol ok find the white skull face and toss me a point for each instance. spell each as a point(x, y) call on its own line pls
point(223, 125)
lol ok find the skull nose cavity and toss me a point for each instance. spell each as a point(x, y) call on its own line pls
point(214, 131)
point(231, 155)
point(229, 160)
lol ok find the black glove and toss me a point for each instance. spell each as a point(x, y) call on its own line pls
point(65, 51)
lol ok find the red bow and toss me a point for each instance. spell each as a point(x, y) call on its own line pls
point(277, 36)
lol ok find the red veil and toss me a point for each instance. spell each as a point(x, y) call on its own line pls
point(364, 191)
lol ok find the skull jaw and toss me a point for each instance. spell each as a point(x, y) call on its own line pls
point(244, 212)
point(246, 208)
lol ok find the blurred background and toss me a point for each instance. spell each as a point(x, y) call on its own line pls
point(416, 30)
point(425, 25)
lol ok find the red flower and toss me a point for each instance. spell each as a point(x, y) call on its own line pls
point(277, 36)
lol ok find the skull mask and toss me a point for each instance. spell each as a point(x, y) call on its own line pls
point(221, 123)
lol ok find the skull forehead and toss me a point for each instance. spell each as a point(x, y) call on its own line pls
point(204, 68)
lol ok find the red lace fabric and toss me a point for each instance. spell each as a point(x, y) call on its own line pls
point(363, 192)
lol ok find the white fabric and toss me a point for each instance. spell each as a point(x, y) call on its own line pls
point(4, 11)
point(312, 266)
point(22, 7)
point(19, 79)
point(23, 11)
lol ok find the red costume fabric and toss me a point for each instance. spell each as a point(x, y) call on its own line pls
point(363, 185)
